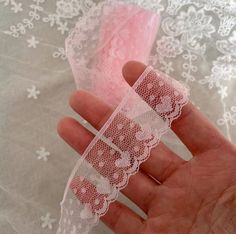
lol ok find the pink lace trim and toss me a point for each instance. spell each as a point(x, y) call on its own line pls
point(112, 34)
point(116, 152)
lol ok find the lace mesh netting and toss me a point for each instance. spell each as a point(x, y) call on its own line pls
point(118, 149)
point(111, 34)
point(195, 43)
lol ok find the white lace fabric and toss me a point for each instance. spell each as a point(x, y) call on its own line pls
point(195, 44)
point(119, 148)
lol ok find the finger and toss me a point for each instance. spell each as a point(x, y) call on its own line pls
point(124, 130)
point(134, 190)
point(119, 218)
point(162, 161)
point(140, 188)
point(74, 134)
point(192, 127)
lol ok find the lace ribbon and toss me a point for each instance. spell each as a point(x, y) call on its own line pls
point(117, 151)
point(110, 35)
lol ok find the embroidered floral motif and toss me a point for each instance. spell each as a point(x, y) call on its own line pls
point(67, 9)
point(214, 5)
point(169, 47)
point(228, 117)
point(224, 69)
point(60, 53)
point(188, 66)
point(227, 47)
point(47, 221)
point(42, 154)
point(33, 92)
point(156, 5)
point(27, 23)
point(63, 28)
point(192, 26)
point(227, 22)
point(223, 91)
point(32, 42)
point(15, 7)
point(166, 67)
point(174, 5)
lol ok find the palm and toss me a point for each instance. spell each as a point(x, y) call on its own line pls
point(200, 197)
point(197, 197)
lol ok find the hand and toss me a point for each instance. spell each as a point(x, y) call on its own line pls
point(196, 196)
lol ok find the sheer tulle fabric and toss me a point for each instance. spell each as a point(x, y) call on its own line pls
point(111, 35)
point(142, 115)
point(119, 148)
point(195, 44)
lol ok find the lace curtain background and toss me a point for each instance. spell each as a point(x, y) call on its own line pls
point(196, 44)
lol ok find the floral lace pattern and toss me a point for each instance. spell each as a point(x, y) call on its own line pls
point(109, 164)
point(34, 68)
point(188, 27)
point(186, 35)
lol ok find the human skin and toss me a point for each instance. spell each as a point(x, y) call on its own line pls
point(196, 196)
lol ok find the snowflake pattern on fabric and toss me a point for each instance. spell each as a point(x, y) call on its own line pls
point(32, 42)
point(33, 92)
point(42, 154)
point(47, 221)
point(14, 6)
